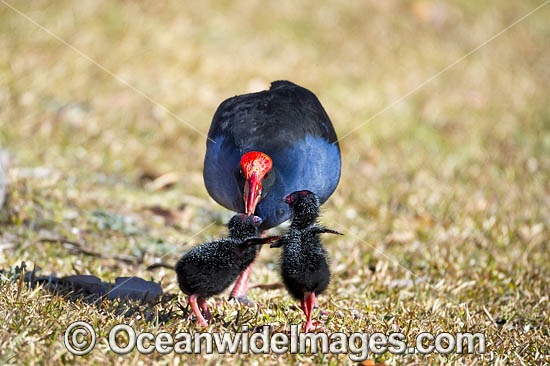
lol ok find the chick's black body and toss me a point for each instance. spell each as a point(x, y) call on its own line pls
point(304, 267)
point(210, 268)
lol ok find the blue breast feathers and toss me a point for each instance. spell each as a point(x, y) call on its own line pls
point(311, 163)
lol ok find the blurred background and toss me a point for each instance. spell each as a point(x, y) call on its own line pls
point(451, 182)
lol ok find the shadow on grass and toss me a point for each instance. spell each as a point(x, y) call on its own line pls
point(127, 296)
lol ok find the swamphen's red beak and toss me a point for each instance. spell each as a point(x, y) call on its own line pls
point(255, 166)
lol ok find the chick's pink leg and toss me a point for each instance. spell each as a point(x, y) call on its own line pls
point(195, 308)
point(203, 305)
point(303, 304)
point(310, 302)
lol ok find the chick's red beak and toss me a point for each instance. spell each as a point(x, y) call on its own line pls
point(255, 166)
point(288, 199)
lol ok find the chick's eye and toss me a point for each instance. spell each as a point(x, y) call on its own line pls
point(267, 174)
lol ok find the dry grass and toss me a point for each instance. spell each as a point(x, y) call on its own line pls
point(444, 198)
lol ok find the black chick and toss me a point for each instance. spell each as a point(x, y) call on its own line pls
point(304, 267)
point(210, 268)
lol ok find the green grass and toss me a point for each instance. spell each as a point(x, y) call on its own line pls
point(444, 197)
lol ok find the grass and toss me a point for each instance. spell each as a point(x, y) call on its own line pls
point(444, 196)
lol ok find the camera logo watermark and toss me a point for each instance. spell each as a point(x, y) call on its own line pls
point(80, 339)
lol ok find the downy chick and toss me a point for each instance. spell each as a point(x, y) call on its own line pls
point(304, 267)
point(210, 268)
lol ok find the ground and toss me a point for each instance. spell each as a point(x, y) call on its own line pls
point(445, 191)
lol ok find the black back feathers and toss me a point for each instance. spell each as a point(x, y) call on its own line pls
point(285, 113)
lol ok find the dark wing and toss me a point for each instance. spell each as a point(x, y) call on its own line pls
point(258, 240)
point(323, 230)
point(281, 242)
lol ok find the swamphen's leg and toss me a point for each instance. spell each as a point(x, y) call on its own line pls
point(195, 308)
point(240, 290)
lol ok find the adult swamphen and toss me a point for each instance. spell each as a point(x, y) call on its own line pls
point(263, 146)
